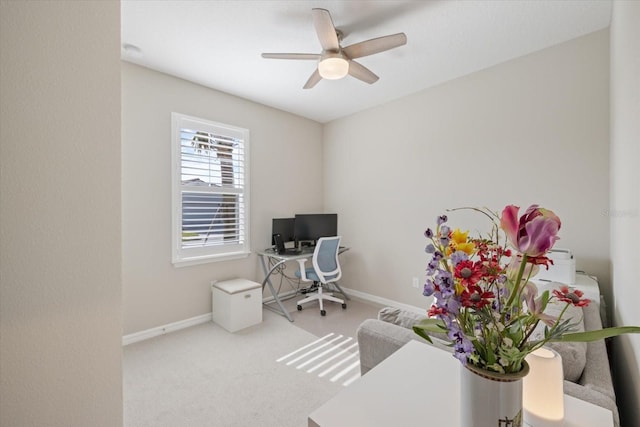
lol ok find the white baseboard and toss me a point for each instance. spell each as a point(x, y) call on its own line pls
point(160, 330)
point(364, 296)
point(181, 324)
point(383, 301)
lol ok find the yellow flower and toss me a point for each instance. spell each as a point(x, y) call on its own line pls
point(459, 242)
point(467, 248)
point(459, 236)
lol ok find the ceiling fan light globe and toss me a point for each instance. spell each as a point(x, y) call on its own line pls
point(333, 68)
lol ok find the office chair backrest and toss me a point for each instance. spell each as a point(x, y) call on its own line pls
point(325, 259)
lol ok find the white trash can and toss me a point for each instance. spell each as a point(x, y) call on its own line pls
point(236, 304)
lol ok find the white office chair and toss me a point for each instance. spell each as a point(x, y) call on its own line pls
point(325, 270)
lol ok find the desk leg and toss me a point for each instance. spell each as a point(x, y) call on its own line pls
point(267, 282)
point(340, 291)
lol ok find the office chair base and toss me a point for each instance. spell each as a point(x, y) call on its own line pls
point(321, 298)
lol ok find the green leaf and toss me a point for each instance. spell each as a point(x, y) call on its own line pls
point(599, 334)
point(545, 300)
point(422, 333)
point(431, 324)
point(426, 326)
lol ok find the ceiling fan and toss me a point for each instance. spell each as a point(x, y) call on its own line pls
point(335, 62)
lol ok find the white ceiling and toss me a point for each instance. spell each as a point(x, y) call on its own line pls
point(218, 44)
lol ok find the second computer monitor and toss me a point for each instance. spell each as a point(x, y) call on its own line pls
point(310, 227)
point(285, 228)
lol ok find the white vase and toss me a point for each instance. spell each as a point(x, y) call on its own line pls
point(490, 399)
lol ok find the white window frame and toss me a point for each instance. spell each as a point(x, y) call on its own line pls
point(184, 254)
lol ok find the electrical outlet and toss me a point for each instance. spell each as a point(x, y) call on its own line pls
point(416, 283)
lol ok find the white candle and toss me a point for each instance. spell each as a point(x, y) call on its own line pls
point(542, 394)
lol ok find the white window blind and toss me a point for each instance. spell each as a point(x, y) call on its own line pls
point(210, 190)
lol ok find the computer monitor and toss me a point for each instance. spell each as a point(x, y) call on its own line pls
point(310, 227)
point(285, 228)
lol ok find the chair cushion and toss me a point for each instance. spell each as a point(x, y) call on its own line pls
point(311, 274)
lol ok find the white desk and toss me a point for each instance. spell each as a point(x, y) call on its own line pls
point(270, 254)
point(418, 386)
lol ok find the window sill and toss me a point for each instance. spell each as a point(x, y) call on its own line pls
point(209, 258)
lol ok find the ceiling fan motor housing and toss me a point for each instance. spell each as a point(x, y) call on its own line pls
point(333, 65)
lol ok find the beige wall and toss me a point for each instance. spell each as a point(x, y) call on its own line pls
point(625, 201)
point(60, 302)
point(286, 177)
point(531, 130)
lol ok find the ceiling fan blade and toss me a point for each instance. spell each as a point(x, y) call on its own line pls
point(325, 30)
point(313, 80)
point(380, 44)
point(291, 56)
point(361, 72)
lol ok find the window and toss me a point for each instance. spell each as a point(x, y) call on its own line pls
point(210, 191)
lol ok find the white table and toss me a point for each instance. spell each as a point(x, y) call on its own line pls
point(417, 386)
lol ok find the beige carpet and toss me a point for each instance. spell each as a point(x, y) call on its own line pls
point(205, 376)
point(337, 320)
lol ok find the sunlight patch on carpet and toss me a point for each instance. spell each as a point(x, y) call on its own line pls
point(334, 357)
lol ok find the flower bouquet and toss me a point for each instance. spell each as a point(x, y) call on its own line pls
point(484, 301)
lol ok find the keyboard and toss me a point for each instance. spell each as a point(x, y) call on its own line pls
point(289, 252)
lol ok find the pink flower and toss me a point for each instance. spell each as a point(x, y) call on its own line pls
point(534, 304)
point(534, 233)
point(571, 296)
point(474, 296)
point(468, 272)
